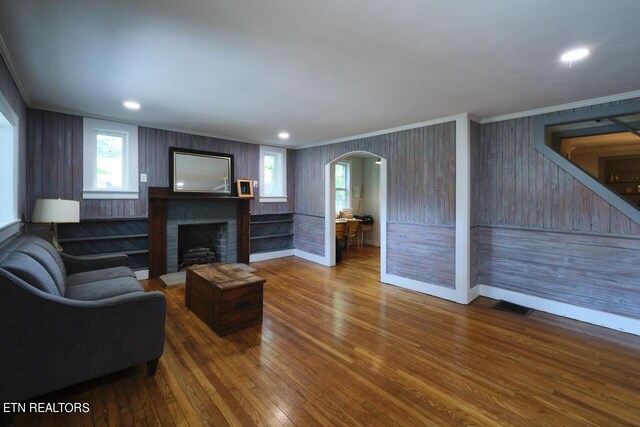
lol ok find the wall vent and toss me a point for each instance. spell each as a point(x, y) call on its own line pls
point(513, 308)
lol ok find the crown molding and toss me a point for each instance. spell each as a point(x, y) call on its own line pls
point(389, 130)
point(561, 107)
point(8, 59)
point(154, 126)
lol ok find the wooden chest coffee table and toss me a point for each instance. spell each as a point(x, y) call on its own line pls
point(224, 297)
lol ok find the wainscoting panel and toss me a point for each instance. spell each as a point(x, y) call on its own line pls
point(309, 233)
point(422, 252)
point(54, 164)
point(585, 269)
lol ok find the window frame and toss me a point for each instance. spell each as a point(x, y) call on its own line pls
point(347, 188)
point(11, 226)
point(130, 186)
point(281, 154)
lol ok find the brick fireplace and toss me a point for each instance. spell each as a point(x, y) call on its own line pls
point(227, 218)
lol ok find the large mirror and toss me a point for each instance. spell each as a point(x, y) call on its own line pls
point(193, 171)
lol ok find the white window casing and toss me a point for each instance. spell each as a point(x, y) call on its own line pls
point(9, 170)
point(129, 178)
point(273, 185)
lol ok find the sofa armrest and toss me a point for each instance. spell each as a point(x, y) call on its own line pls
point(50, 342)
point(78, 264)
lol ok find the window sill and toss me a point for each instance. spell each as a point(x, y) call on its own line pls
point(273, 199)
point(104, 194)
point(8, 229)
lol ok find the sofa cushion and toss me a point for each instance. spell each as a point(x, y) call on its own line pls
point(103, 289)
point(31, 271)
point(47, 260)
point(97, 275)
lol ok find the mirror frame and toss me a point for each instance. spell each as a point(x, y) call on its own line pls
point(172, 159)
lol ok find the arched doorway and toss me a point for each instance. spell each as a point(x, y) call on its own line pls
point(330, 207)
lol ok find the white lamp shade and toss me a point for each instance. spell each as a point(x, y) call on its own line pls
point(56, 210)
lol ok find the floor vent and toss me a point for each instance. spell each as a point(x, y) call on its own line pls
point(513, 308)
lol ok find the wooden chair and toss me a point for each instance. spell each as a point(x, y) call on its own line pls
point(352, 232)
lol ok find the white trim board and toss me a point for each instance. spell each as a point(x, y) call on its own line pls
point(142, 274)
point(588, 315)
point(386, 131)
point(422, 287)
point(8, 59)
point(312, 257)
point(561, 107)
point(271, 255)
point(9, 230)
point(463, 210)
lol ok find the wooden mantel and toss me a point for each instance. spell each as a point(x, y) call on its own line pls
point(158, 197)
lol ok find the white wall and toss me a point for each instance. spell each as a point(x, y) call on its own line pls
point(371, 199)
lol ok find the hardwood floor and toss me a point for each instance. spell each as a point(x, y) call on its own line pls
point(338, 348)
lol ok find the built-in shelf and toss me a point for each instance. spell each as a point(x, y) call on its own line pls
point(271, 236)
point(137, 252)
point(271, 232)
point(91, 238)
point(271, 222)
point(98, 237)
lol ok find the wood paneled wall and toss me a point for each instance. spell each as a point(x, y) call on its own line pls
point(309, 233)
point(522, 188)
point(420, 199)
point(543, 233)
point(584, 269)
point(54, 164)
point(11, 93)
point(476, 198)
point(425, 253)
point(421, 173)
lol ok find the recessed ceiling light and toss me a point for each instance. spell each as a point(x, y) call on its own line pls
point(574, 55)
point(283, 135)
point(131, 105)
point(179, 184)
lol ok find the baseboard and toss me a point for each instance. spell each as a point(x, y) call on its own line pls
point(474, 293)
point(311, 257)
point(588, 315)
point(142, 274)
point(423, 287)
point(271, 255)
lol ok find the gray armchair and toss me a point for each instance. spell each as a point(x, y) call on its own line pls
point(57, 329)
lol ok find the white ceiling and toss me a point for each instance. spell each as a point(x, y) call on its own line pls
point(321, 69)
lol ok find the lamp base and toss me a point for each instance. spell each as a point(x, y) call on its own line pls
point(53, 237)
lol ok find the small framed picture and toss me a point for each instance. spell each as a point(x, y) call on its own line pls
point(245, 188)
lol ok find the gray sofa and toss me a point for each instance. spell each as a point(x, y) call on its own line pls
point(64, 320)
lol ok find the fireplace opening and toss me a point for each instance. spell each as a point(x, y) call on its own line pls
point(202, 244)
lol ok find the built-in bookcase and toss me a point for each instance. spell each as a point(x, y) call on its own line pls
point(271, 232)
point(103, 237)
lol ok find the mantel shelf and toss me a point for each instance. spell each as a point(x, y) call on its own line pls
point(164, 193)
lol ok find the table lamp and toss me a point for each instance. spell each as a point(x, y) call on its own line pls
point(56, 211)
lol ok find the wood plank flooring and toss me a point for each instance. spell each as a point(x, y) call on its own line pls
point(338, 348)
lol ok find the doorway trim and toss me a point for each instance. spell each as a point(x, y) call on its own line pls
point(330, 210)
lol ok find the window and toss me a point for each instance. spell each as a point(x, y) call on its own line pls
point(273, 174)
point(343, 177)
point(9, 221)
point(110, 160)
